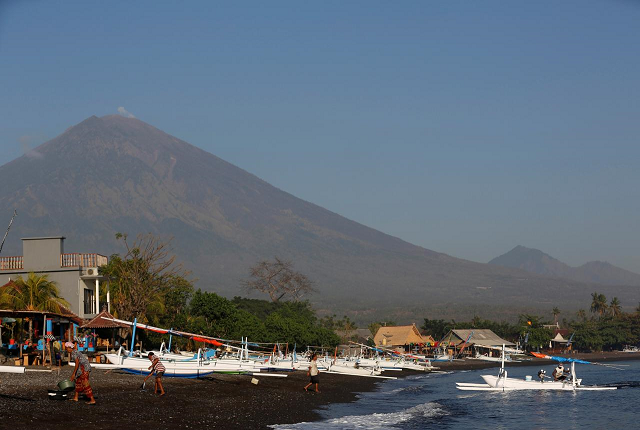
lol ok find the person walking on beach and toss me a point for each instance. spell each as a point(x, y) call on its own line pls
point(57, 356)
point(313, 373)
point(82, 381)
point(158, 368)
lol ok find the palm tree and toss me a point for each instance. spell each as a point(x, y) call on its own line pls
point(555, 313)
point(614, 307)
point(582, 314)
point(598, 304)
point(36, 293)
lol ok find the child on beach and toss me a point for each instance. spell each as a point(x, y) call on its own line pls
point(82, 381)
point(158, 368)
point(313, 373)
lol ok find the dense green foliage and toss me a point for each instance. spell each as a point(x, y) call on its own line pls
point(343, 326)
point(209, 314)
point(611, 330)
point(36, 293)
point(531, 329)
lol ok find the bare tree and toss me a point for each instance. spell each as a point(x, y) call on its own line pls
point(278, 279)
point(140, 279)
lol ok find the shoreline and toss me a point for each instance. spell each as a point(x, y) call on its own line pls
point(221, 401)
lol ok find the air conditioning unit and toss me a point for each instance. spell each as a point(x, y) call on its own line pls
point(92, 272)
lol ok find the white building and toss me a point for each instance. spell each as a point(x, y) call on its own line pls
point(76, 274)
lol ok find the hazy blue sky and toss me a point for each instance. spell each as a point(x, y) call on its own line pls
point(466, 127)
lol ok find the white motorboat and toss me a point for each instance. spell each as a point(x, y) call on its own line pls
point(502, 382)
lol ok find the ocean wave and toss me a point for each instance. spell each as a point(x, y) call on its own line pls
point(373, 421)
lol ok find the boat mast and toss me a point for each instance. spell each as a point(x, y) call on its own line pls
point(133, 337)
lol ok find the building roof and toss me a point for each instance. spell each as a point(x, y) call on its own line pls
point(103, 320)
point(399, 335)
point(66, 314)
point(479, 337)
point(559, 339)
point(565, 332)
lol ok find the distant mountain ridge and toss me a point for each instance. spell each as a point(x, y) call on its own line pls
point(115, 174)
point(536, 261)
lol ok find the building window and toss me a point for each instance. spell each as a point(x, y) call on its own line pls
point(89, 301)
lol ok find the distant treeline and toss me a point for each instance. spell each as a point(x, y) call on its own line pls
point(606, 327)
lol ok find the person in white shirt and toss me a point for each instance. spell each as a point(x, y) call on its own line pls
point(558, 373)
point(313, 373)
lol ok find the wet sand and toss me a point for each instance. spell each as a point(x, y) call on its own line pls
point(221, 401)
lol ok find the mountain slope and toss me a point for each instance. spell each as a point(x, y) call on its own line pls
point(116, 174)
point(536, 261)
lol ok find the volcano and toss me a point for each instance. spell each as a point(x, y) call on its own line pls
point(115, 174)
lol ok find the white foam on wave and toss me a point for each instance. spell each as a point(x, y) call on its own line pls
point(373, 421)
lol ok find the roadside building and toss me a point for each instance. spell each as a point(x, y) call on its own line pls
point(76, 274)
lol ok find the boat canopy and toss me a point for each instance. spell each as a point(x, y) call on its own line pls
point(561, 359)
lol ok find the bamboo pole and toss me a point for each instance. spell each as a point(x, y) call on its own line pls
point(44, 338)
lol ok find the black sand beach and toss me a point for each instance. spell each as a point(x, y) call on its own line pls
point(221, 401)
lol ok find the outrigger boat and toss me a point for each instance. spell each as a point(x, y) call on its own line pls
point(390, 360)
point(502, 382)
point(201, 364)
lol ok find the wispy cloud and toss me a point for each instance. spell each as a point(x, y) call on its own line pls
point(122, 111)
point(26, 141)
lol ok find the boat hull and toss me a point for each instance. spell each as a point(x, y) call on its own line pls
point(493, 383)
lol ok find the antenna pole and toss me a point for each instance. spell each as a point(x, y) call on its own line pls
point(7, 232)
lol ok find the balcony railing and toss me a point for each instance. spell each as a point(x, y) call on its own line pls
point(11, 263)
point(66, 260)
point(84, 260)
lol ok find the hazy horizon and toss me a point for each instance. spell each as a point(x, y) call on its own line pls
point(462, 128)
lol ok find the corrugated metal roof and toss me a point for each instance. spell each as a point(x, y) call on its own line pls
point(481, 337)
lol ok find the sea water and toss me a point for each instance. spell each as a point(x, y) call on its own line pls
point(432, 401)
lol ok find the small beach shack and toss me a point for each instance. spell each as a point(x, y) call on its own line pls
point(46, 327)
point(103, 331)
point(406, 337)
point(560, 341)
point(484, 341)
